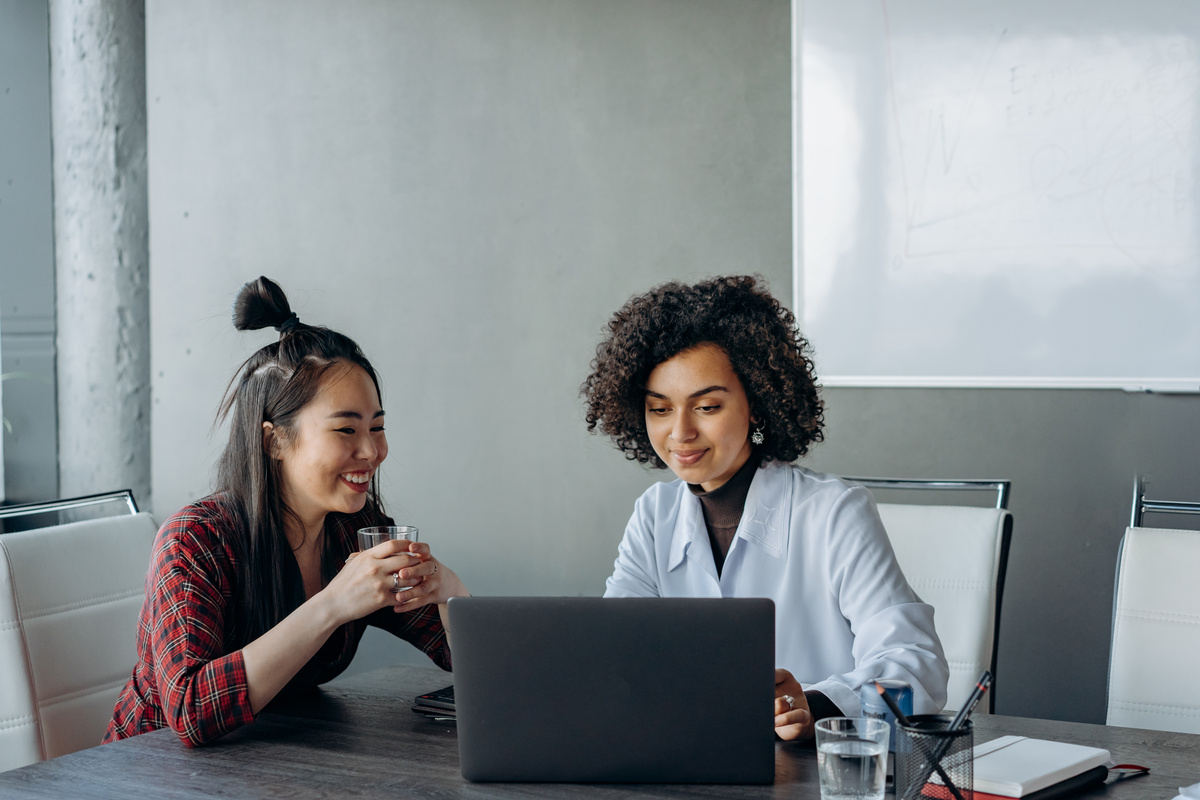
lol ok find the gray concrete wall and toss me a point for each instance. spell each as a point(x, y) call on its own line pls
point(27, 253)
point(469, 188)
point(100, 221)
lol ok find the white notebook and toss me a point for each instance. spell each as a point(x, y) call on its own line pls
point(1015, 766)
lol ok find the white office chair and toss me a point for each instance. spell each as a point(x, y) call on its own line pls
point(27, 516)
point(69, 602)
point(955, 558)
point(1156, 625)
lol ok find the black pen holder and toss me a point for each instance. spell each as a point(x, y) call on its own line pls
point(925, 745)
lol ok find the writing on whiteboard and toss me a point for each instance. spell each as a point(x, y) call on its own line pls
point(1001, 193)
point(1046, 142)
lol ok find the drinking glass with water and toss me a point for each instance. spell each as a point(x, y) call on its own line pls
point(378, 534)
point(852, 757)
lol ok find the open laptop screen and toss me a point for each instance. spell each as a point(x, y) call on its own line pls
point(647, 690)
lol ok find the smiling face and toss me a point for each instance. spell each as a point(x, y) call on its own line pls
point(330, 454)
point(698, 416)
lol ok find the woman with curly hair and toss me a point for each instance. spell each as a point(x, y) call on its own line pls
point(713, 381)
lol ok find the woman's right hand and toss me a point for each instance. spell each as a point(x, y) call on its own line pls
point(365, 584)
point(793, 718)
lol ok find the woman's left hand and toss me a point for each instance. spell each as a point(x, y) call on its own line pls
point(793, 719)
point(429, 582)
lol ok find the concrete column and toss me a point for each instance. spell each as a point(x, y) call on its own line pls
point(98, 123)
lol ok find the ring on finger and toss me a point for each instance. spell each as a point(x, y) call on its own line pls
point(395, 581)
point(791, 701)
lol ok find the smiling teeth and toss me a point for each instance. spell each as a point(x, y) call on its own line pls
point(357, 477)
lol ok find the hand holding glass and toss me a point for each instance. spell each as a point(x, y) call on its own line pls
point(369, 537)
point(378, 534)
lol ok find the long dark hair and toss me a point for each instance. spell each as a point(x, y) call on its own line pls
point(273, 385)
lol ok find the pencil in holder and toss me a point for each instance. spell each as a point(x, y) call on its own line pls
point(933, 761)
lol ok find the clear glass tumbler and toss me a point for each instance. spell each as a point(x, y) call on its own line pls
point(852, 757)
point(378, 534)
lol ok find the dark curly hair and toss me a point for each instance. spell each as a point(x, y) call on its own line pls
point(738, 315)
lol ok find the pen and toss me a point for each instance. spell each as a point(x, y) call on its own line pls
point(903, 720)
point(981, 686)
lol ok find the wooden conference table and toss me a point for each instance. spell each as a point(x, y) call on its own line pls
point(358, 738)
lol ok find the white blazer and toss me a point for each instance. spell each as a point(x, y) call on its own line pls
point(844, 613)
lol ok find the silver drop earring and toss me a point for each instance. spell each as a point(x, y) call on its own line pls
point(757, 437)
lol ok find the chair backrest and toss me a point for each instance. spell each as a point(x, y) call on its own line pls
point(955, 558)
point(1155, 651)
point(69, 602)
point(45, 514)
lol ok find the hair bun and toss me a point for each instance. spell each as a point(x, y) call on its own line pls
point(262, 304)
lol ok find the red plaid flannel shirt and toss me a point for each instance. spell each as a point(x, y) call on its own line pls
point(186, 677)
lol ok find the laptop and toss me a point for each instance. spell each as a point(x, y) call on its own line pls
point(632, 690)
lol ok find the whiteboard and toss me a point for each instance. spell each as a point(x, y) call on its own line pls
point(1000, 193)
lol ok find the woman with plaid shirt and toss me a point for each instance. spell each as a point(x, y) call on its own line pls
point(256, 591)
